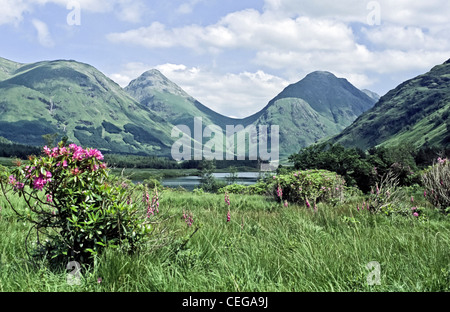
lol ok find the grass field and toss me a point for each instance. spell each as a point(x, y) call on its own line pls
point(265, 247)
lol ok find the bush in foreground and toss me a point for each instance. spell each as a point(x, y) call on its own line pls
point(76, 209)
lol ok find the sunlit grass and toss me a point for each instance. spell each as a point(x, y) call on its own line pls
point(264, 247)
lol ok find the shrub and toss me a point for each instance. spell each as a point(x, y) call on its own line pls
point(385, 196)
point(308, 187)
point(436, 181)
point(76, 209)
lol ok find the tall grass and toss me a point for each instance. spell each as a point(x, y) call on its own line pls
point(264, 247)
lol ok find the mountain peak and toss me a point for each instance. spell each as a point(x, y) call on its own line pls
point(154, 72)
point(154, 80)
point(322, 73)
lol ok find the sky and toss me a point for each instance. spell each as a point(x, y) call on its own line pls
point(233, 56)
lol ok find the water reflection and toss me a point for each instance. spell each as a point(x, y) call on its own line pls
point(191, 182)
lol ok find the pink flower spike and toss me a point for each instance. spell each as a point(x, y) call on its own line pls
point(308, 204)
point(415, 214)
point(228, 216)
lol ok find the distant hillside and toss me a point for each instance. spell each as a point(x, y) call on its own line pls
point(75, 99)
point(170, 102)
point(416, 113)
point(375, 96)
point(318, 106)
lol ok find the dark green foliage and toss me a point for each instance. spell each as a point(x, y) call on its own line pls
point(307, 187)
point(27, 132)
point(18, 150)
point(358, 168)
point(110, 128)
point(141, 135)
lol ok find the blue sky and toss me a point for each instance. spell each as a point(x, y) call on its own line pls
point(233, 56)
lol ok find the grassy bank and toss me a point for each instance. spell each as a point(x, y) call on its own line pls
point(264, 247)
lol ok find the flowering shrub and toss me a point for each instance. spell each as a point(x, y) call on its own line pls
point(436, 181)
point(308, 187)
point(77, 210)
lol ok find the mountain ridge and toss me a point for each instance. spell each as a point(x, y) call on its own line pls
point(415, 113)
point(76, 99)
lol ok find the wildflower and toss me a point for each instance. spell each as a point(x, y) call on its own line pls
point(228, 216)
point(308, 204)
point(415, 214)
point(357, 207)
point(47, 150)
point(12, 180)
point(39, 183)
point(425, 193)
point(49, 198)
point(227, 199)
point(412, 199)
point(75, 171)
point(279, 191)
point(99, 280)
point(286, 204)
point(414, 208)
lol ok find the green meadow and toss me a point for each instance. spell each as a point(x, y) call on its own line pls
point(264, 247)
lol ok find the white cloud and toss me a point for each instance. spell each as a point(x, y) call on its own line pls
point(43, 33)
point(188, 7)
point(406, 38)
point(296, 37)
point(237, 95)
point(12, 11)
point(244, 29)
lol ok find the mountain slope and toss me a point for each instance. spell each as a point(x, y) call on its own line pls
point(160, 95)
point(7, 68)
point(318, 106)
point(75, 99)
point(415, 113)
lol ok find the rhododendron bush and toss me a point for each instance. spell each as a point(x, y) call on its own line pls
point(75, 207)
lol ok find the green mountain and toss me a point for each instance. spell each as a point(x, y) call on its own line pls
point(75, 99)
point(416, 114)
point(160, 95)
point(7, 68)
point(318, 106)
